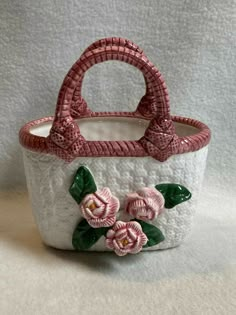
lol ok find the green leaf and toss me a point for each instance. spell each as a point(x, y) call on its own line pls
point(83, 184)
point(153, 234)
point(173, 194)
point(85, 236)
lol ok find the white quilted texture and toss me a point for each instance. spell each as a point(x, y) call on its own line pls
point(56, 213)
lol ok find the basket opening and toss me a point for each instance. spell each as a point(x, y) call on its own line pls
point(112, 128)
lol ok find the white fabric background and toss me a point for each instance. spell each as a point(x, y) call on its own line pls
point(193, 45)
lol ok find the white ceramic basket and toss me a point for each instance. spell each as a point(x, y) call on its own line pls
point(124, 152)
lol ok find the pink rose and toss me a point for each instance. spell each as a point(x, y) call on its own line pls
point(126, 237)
point(100, 208)
point(145, 204)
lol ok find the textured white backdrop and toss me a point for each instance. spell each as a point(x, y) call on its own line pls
point(192, 43)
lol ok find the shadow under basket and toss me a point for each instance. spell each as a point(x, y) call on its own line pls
point(122, 181)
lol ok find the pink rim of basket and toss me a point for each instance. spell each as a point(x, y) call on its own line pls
point(159, 141)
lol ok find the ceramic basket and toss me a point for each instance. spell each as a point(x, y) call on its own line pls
point(117, 181)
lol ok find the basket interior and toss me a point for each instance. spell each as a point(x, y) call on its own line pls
point(112, 128)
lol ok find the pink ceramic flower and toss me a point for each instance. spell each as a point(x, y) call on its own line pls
point(100, 208)
point(145, 204)
point(126, 237)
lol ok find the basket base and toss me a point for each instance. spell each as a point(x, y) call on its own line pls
point(57, 214)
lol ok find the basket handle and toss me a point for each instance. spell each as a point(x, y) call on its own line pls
point(159, 140)
point(145, 107)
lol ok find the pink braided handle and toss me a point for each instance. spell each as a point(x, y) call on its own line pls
point(146, 108)
point(65, 139)
point(159, 141)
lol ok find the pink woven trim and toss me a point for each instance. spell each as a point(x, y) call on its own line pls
point(116, 148)
point(33, 142)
